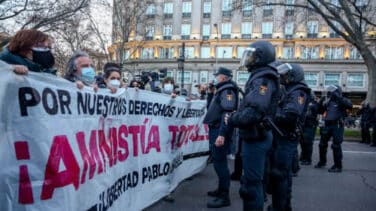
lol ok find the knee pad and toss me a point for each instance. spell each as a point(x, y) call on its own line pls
point(246, 191)
point(336, 146)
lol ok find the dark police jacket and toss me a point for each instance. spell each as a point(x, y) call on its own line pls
point(335, 108)
point(311, 115)
point(224, 100)
point(366, 114)
point(260, 101)
point(11, 58)
point(292, 108)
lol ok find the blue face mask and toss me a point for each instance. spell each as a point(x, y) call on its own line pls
point(88, 74)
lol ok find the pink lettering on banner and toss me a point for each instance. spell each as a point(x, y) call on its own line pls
point(181, 135)
point(25, 192)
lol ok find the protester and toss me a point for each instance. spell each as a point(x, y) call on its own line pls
point(29, 50)
point(112, 76)
point(80, 70)
point(168, 87)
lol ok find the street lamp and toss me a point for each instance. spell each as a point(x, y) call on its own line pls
point(181, 60)
point(216, 48)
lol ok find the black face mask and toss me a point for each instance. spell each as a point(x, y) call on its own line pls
point(203, 92)
point(44, 58)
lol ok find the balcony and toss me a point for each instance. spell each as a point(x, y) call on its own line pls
point(149, 38)
point(186, 14)
point(267, 36)
point(206, 15)
point(312, 35)
point(167, 37)
point(185, 37)
point(168, 15)
point(288, 36)
point(226, 36)
point(246, 36)
point(247, 13)
point(226, 13)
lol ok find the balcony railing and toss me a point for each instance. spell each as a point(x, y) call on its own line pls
point(267, 12)
point(206, 15)
point(168, 15)
point(226, 36)
point(185, 37)
point(167, 37)
point(312, 35)
point(246, 36)
point(226, 13)
point(247, 13)
point(267, 36)
point(186, 14)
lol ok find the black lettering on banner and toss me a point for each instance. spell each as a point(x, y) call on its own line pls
point(91, 105)
point(52, 110)
point(27, 97)
point(99, 104)
point(64, 101)
point(81, 103)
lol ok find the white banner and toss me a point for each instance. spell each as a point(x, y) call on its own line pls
point(66, 149)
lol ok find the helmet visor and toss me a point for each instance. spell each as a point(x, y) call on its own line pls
point(284, 68)
point(331, 88)
point(248, 57)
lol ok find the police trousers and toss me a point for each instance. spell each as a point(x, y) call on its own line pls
point(219, 158)
point(281, 172)
point(254, 154)
point(306, 144)
point(334, 131)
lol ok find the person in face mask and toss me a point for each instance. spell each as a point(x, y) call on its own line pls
point(80, 70)
point(168, 87)
point(29, 50)
point(112, 76)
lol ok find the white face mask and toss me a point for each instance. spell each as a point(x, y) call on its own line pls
point(168, 88)
point(115, 83)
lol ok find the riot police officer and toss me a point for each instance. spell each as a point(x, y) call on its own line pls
point(334, 110)
point(309, 130)
point(260, 102)
point(289, 120)
point(223, 101)
point(365, 112)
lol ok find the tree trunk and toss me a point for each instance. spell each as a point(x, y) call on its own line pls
point(370, 62)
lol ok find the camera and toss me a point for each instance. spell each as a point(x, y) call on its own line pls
point(155, 76)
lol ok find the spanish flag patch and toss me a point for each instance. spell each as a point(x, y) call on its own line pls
point(300, 100)
point(263, 89)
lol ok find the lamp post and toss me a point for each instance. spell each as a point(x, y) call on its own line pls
point(181, 60)
point(216, 48)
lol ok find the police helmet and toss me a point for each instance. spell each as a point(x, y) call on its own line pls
point(334, 88)
point(258, 54)
point(291, 73)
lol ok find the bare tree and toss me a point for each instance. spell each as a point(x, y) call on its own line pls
point(129, 21)
point(350, 19)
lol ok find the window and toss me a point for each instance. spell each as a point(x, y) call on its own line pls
point(226, 8)
point(289, 30)
point(149, 32)
point(126, 54)
point(188, 53)
point(310, 52)
point(150, 11)
point(246, 30)
point(207, 9)
point(166, 53)
point(224, 52)
point(331, 79)
point(289, 9)
point(247, 8)
point(170, 73)
point(288, 52)
point(147, 53)
point(185, 31)
point(226, 31)
point(312, 29)
point(334, 53)
point(167, 32)
point(204, 76)
point(205, 31)
point(354, 54)
point(268, 9)
point(355, 79)
point(187, 77)
point(311, 79)
point(332, 33)
point(267, 29)
point(205, 52)
point(241, 51)
point(187, 9)
point(242, 77)
point(168, 10)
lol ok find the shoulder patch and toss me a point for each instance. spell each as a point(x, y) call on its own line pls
point(263, 89)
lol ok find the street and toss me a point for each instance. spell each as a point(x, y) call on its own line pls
point(313, 189)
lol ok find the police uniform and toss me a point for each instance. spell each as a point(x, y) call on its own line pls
point(334, 110)
point(309, 130)
point(373, 125)
point(365, 118)
point(289, 120)
point(223, 101)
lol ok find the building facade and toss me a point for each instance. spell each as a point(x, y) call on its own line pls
point(216, 35)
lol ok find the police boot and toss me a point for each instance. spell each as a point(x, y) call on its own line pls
point(214, 193)
point(335, 169)
point(223, 200)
